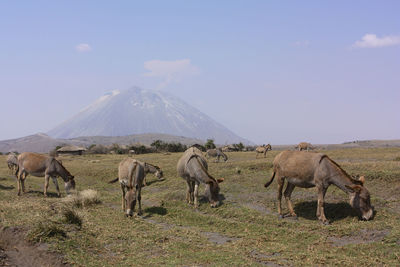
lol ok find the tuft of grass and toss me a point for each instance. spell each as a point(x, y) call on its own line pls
point(84, 198)
point(397, 159)
point(44, 231)
point(71, 217)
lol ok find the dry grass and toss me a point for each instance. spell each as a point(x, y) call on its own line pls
point(83, 198)
point(244, 231)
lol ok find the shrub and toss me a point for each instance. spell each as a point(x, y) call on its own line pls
point(71, 217)
point(161, 146)
point(209, 144)
point(43, 231)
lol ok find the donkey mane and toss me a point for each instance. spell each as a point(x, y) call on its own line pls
point(354, 181)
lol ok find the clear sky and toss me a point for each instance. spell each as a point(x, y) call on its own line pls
point(271, 71)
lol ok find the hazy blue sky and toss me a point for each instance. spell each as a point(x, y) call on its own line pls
point(271, 71)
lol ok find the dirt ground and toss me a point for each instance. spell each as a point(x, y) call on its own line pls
point(16, 251)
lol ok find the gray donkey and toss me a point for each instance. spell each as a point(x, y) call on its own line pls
point(192, 167)
point(216, 153)
point(130, 176)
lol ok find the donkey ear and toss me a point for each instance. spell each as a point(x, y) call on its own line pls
point(220, 180)
point(355, 188)
point(362, 179)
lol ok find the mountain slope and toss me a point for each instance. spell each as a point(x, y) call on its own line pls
point(138, 111)
point(42, 143)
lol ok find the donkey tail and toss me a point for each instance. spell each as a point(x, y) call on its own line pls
point(113, 181)
point(270, 181)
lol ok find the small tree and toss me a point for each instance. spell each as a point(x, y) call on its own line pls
point(209, 144)
point(239, 147)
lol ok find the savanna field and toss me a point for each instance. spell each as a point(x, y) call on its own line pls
point(244, 231)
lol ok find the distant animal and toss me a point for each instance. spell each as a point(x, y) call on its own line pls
point(42, 165)
point(150, 168)
point(304, 146)
point(130, 176)
point(263, 149)
point(216, 153)
point(307, 170)
point(192, 167)
point(12, 161)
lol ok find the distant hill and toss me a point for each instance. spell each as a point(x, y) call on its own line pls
point(351, 144)
point(138, 111)
point(42, 143)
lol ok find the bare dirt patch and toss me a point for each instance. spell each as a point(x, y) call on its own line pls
point(362, 237)
point(16, 251)
point(266, 260)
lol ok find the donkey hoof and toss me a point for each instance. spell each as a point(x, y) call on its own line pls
point(326, 223)
point(280, 216)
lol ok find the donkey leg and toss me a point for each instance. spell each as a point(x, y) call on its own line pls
point(196, 195)
point(320, 206)
point(22, 181)
point(56, 184)
point(123, 197)
point(280, 181)
point(46, 184)
point(189, 192)
point(139, 198)
point(288, 192)
point(19, 184)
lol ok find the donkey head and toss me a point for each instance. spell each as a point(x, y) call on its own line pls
point(159, 174)
point(70, 184)
point(212, 191)
point(360, 199)
point(69, 181)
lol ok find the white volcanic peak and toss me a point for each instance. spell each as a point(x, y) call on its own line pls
point(137, 111)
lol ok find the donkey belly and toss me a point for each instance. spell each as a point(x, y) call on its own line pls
point(300, 182)
point(37, 174)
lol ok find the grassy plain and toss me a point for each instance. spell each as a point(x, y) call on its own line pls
point(244, 231)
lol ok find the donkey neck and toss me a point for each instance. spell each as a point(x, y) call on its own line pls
point(341, 179)
point(202, 174)
point(61, 170)
point(150, 168)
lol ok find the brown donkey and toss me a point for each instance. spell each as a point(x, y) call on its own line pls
point(263, 150)
point(42, 166)
point(307, 170)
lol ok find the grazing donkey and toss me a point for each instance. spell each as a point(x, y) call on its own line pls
point(216, 153)
point(304, 146)
point(192, 167)
point(263, 150)
point(307, 170)
point(12, 162)
point(130, 176)
point(150, 168)
point(42, 165)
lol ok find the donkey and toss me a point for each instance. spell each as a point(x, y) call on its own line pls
point(263, 149)
point(12, 161)
point(130, 176)
point(304, 146)
point(307, 170)
point(42, 166)
point(192, 167)
point(216, 153)
point(150, 168)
